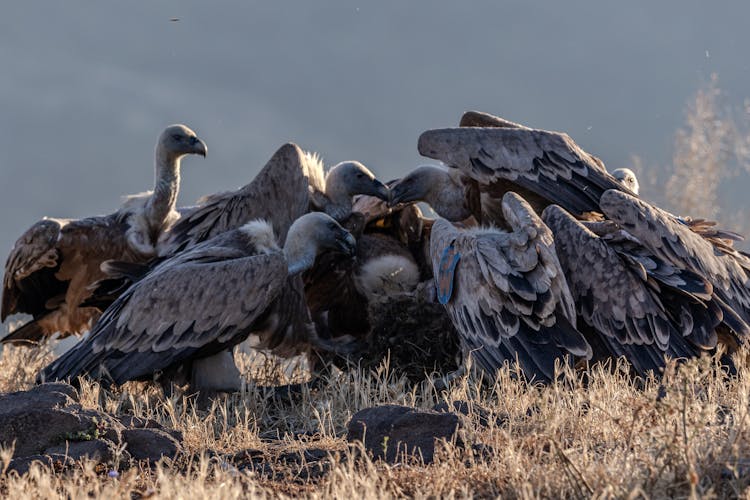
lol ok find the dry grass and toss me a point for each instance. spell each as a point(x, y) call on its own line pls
point(611, 438)
point(708, 174)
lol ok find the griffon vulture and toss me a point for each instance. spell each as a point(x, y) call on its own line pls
point(202, 301)
point(694, 290)
point(629, 302)
point(289, 185)
point(52, 264)
point(506, 293)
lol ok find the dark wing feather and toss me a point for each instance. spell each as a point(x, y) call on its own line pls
point(510, 300)
point(50, 269)
point(482, 119)
point(640, 317)
point(548, 164)
point(194, 305)
point(674, 242)
point(280, 194)
point(29, 279)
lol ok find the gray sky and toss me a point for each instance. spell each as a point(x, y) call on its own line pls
point(86, 86)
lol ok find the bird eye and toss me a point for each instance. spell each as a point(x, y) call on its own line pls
point(177, 137)
point(360, 175)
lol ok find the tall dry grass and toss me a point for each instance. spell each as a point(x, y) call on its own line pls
point(709, 174)
point(608, 437)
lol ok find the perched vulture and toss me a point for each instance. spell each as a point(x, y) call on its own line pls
point(52, 264)
point(289, 185)
point(627, 178)
point(506, 293)
point(339, 292)
point(202, 302)
point(680, 243)
point(629, 302)
point(686, 281)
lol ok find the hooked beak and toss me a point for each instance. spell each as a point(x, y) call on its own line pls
point(380, 190)
point(402, 193)
point(347, 244)
point(199, 147)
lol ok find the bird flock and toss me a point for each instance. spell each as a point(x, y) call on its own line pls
point(539, 256)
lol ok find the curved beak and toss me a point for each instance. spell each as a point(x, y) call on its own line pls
point(380, 190)
point(347, 244)
point(199, 147)
point(402, 193)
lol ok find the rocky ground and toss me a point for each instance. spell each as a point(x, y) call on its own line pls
point(375, 434)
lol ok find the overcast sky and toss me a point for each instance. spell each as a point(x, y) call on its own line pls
point(86, 86)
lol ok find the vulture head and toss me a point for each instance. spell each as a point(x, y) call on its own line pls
point(311, 234)
point(436, 186)
point(350, 178)
point(627, 178)
point(421, 184)
point(177, 141)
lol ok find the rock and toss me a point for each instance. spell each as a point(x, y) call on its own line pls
point(390, 430)
point(47, 422)
point(100, 450)
point(48, 416)
point(45, 396)
point(57, 462)
point(131, 422)
point(36, 429)
point(150, 444)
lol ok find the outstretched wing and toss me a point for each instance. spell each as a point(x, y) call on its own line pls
point(509, 299)
point(280, 194)
point(673, 241)
point(55, 261)
point(623, 303)
point(30, 269)
point(545, 167)
point(482, 119)
point(194, 305)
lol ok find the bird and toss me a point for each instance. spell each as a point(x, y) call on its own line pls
point(291, 184)
point(506, 294)
point(684, 276)
point(51, 265)
point(676, 242)
point(630, 302)
point(628, 178)
point(202, 302)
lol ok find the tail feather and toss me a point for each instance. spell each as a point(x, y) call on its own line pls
point(30, 334)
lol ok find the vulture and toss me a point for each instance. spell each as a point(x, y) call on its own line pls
point(203, 301)
point(686, 281)
point(339, 292)
point(53, 263)
point(506, 293)
point(289, 185)
point(630, 302)
point(627, 178)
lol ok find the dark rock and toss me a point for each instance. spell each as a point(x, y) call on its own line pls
point(131, 422)
point(150, 444)
point(389, 431)
point(41, 417)
point(34, 430)
point(57, 462)
point(45, 396)
point(100, 450)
